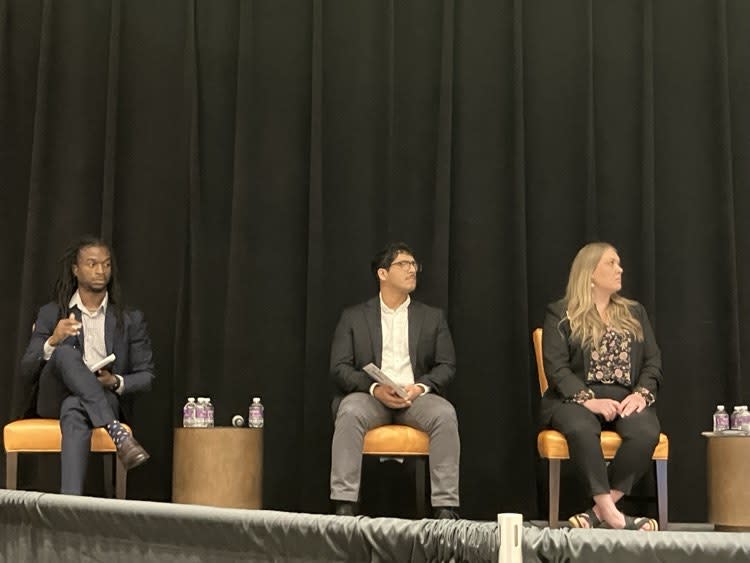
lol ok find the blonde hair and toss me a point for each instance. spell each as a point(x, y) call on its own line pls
point(586, 325)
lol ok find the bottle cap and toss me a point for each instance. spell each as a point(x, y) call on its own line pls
point(719, 407)
point(191, 399)
point(256, 399)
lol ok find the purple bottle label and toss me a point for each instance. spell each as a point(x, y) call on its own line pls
point(721, 422)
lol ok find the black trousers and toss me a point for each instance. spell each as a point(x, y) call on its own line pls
point(582, 430)
point(72, 393)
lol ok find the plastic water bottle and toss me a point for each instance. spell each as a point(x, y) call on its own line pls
point(255, 414)
point(209, 413)
point(721, 419)
point(188, 413)
point(744, 419)
point(740, 417)
point(734, 418)
point(200, 413)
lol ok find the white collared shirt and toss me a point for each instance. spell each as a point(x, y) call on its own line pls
point(394, 324)
point(94, 347)
point(395, 360)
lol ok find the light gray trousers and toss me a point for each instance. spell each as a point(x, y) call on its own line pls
point(360, 412)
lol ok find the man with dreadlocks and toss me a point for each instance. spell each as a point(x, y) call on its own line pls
point(82, 326)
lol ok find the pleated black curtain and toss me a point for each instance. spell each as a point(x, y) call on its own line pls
point(247, 158)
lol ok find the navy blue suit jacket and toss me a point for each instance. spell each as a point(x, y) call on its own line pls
point(128, 340)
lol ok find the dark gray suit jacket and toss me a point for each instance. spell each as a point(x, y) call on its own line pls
point(358, 340)
point(129, 341)
point(566, 363)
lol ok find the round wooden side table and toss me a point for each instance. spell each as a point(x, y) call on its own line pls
point(218, 467)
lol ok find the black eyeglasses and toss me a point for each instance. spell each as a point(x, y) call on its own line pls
point(407, 264)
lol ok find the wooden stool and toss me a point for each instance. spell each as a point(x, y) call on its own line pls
point(399, 441)
point(43, 435)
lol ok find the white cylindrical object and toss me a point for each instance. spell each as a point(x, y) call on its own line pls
point(510, 540)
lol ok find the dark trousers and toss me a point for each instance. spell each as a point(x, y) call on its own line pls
point(72, 393)
point(582, 430)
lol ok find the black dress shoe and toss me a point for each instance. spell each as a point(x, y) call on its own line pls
point(344, 508)
point(445, 513)
point(131, 453)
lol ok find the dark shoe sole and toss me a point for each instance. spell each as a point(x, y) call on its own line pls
point(135, 461)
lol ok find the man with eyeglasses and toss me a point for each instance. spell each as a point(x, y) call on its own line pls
point(411, 343)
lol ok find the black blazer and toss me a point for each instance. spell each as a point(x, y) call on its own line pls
point(566, 363)
point(358, 340)
point(129, 341)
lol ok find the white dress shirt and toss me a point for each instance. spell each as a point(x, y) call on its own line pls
point(394, 324)
point(395, 360)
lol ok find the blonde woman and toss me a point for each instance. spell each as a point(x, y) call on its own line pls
point(604, 372)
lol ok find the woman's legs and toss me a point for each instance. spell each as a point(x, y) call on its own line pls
point(582, 430)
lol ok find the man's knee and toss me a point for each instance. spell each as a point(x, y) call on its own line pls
point(72, 412)
point(64, 355)
point(353, 409)
point(431, 412)
point(444, 412)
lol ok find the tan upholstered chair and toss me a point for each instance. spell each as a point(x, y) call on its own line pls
point(399, 441)
point(43, 435)
point(553, 447)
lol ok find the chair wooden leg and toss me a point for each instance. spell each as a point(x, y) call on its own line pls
point(11, 470)
point(662, 499)
point(421, 476)
point(121, 477)
point(107, 462)
point(554, 492)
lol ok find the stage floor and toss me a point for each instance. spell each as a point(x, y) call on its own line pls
point(49, 527)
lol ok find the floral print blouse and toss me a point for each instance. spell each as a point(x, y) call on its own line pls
point(610, 364)
point(610, 361)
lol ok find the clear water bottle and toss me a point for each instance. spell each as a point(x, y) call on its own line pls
point(200, 413)
point(721, 419)
point(209, 413)
point(744, 419)
point(188, 413)
point(734, 420)
point(255, 414)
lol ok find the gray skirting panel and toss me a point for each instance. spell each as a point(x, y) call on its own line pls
point(47, 527)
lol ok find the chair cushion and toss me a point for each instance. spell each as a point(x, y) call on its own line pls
point(396, 439)
point(43, 435)
point(551, 444)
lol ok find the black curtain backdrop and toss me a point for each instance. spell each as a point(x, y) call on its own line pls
point(247, 158)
